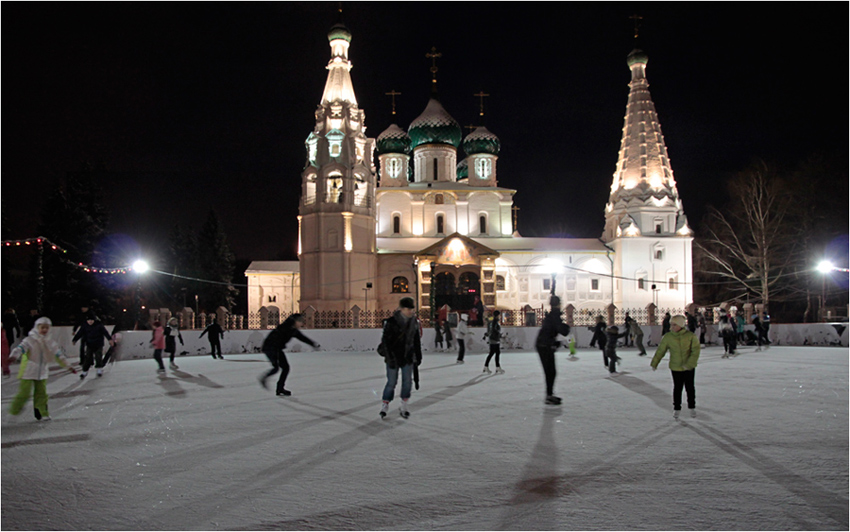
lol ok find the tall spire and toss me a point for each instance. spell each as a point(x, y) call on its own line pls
point(643, 155)
point(338, 87)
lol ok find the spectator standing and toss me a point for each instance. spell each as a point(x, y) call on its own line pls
point(12, 327)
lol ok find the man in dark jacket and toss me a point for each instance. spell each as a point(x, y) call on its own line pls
point(401, 350)
point(12, 326)
point(215, 334)
point(665, 324)
point(92, 332)
point(274, 345)
point(546, 345)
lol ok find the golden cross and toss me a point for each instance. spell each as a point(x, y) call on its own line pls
point(516, 210)
point(393, 93)
point(481, 95)
point(433, 55)
point(637, 19)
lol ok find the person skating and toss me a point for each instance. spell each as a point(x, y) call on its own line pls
point(41, 351)
point(628, 327)
point(92, 333)
point(438, 336)
point(158, 344)
point(447, 334)
point(683, 346)
point(493, 336)
point(637, 334)
point(665, 324)
point(172, 334)
point(599, 337)
point(546, 345)
point(274, 345)
point(702, 328)
point(462, 331)
point(612, 334)
point(12, 327)
point(402, 351)
point(727, 331)
point(214, 334)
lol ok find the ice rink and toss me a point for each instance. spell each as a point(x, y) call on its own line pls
point(206, 448)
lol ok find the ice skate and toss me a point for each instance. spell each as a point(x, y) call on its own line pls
point(500, 371)
point(173, 366)
point(83, 375)
point(553, 400)
point(676, 414)
point(403, 410)
point(37, 413)
point(693, 412)
point(384, 408)
point(487, 370)
point(262, 379)
point(160, 370)
point(100, 372)
point(284, 391)
point(459, 362)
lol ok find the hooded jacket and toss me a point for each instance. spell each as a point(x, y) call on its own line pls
point(684, 350)
point(41, 352)
point(552, 326)
point(93, 334)
point(401, 338)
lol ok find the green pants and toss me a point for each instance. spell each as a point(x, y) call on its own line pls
point(38, 389)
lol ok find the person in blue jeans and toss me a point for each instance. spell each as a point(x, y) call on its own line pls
point(401, 349)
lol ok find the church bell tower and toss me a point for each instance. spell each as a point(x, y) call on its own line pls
point(336, 223)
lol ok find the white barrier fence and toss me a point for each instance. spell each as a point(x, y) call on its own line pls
point(136, 344)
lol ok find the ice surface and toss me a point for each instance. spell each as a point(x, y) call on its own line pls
point(206, 448)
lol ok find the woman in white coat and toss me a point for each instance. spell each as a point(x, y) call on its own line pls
point(41, 351)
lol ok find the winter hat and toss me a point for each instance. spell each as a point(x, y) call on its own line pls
point(407, 302)
point(43, 319)
point(464, 317)
point(679, 320)
point(555, 301)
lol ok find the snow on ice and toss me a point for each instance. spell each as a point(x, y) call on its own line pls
point(206, 448)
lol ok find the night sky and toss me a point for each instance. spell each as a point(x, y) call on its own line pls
point(193, 106)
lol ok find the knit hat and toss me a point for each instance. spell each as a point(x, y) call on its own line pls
point(407, 302)
point(464, 317)
point(679, 320)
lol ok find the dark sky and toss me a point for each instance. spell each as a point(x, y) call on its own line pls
point(193, 106)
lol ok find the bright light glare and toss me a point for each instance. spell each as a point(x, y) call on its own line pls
point(825, 266)
point(140, 266)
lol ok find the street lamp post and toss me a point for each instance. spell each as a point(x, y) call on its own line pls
point(140, 267)
point(366, 297)
point(824, 268)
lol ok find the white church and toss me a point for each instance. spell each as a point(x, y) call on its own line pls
point(429, 220)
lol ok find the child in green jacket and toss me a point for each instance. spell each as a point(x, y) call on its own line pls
point(683, 346)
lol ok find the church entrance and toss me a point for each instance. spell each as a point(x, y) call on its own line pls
point(445, 292)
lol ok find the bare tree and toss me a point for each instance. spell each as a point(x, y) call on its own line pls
point(751, 243)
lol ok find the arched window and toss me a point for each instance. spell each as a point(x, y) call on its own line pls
point(441, 225)
point(396, 224)
point(482, 224)
point(400, 285)
point(500, 282)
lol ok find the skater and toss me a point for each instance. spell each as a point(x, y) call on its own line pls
point(80, 322)
point(214, 334)
point(628, 328)
point(765, 327)
point(665, 324)
point(158, 344)
point(701, 323)
point(401, 350)
point(273, 347)
point(41, 351)
point(172, 334)
point(4, 348)
point(494, 337)
point(683, 346)
point(599, 337)
point(547, 343)
point(740, 322)
point(691, 321)
point(438, 336)
point(761, 336)
point(92, 333)
point(462, 331)
point(727, 331)
point(447, 334)
point(12, 327)
point(637, 333)
point(612, 334)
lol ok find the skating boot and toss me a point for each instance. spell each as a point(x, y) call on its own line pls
point(500, 371)
point(487, 370)
point(384, 408)
point(403, 410)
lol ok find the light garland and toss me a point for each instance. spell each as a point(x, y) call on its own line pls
point(86, 268)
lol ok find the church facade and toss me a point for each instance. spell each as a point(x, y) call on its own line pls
point(420, 213)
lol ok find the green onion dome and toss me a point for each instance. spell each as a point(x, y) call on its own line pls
point(393, 140)
point(435, 126)
point(637, 56)
point(339, 31)
point(462, 169)
point(481, 141)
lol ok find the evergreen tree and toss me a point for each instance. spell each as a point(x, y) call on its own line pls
point(182, 262)
point(215, 263)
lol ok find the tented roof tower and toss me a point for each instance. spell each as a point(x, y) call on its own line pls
point(643, 184)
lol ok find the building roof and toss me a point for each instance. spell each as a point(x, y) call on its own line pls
point(502, 245)
point(273, 266)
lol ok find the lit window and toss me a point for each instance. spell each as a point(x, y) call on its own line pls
point(400, 285)
point(482, 224)
point(672, 283)
point(483, 168)
point(335, 138)
point(393, 168)
point(396, 224)
point(594, 285)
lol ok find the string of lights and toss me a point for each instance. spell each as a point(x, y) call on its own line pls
point(41, 241)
